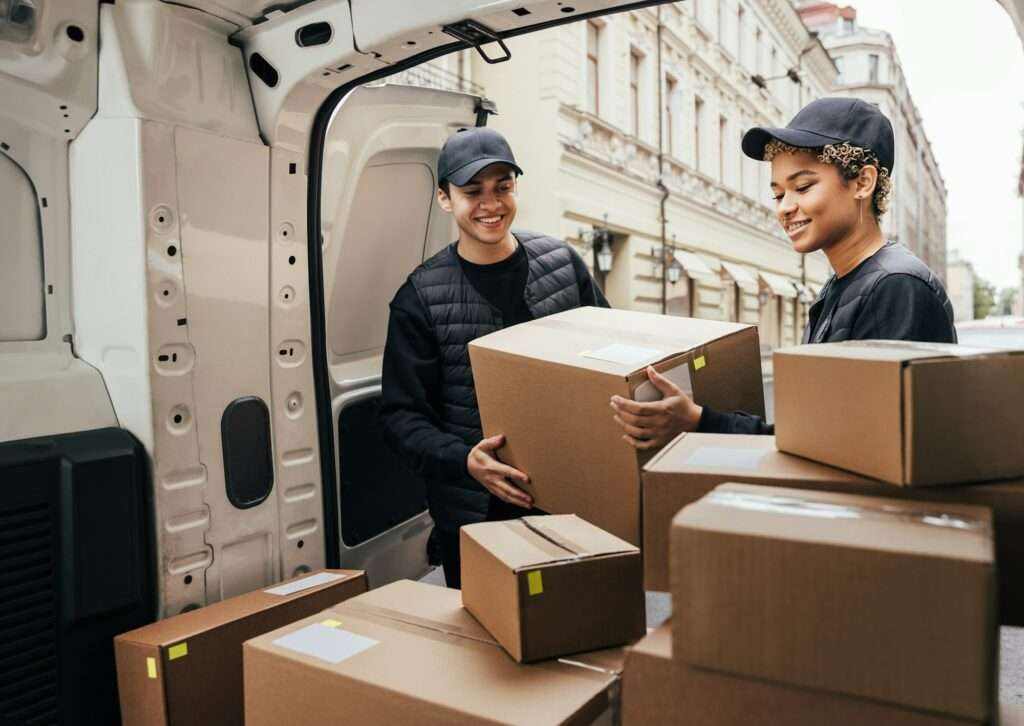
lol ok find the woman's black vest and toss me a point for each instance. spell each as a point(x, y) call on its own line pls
point(892, 259)
point(459, 314)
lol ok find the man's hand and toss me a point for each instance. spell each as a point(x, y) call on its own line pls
point(652, 425)
point(499, 479)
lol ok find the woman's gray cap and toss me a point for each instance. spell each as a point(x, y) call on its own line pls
point(830, 121)
point(467, 151)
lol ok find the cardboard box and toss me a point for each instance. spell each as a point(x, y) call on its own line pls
point(876, 598)
point(694, 464)
point(547, 384)
point(187, 669)
point(906, 413)
point(409, 652)
point(550, 586)
point(660, 687)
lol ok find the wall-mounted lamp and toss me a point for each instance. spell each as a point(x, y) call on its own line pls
point(761, 82)
point(599, 238)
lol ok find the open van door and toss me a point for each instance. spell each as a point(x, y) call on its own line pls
point(379, 221)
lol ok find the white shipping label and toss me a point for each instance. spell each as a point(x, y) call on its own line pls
point(627, 355)
point(721, 457)
point(680, 376)
point(331, 645)
point(321, 578)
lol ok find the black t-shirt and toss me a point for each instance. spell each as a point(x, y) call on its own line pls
point(502, 284)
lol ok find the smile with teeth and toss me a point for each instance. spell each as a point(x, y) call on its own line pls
point(794, 226)
point(489, 220)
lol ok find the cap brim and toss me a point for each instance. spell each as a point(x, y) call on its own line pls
point(462, 176)
point(757, 138)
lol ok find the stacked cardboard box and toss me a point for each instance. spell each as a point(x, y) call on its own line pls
point(694, 464)
point(187, 669)
point(533, 583)
point(911, 414)
point(818, 607)
point(880, 599)
point(410, 653)
point(546, 385)
point(659, 686)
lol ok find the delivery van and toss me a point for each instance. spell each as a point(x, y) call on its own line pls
point(206, 206)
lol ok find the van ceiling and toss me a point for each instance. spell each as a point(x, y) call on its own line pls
point(241, 12)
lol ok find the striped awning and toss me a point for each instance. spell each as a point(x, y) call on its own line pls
point(778, 284)
point(741, 276)
point(695, 267)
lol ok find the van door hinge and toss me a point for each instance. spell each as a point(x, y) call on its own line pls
point(478, 35)
point(483, 108)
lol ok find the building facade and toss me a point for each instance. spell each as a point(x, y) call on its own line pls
point(631, 125)
point(960, 286)
point(869, 68)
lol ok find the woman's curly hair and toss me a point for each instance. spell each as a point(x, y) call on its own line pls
point(849, 160)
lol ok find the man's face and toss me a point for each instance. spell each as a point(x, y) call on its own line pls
point(485, 207)
point(814, 205)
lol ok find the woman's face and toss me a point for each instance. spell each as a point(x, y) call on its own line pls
point(813, 203)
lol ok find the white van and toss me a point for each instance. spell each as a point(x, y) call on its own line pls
point(204, 213)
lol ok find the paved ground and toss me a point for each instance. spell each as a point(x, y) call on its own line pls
point(1011, 674)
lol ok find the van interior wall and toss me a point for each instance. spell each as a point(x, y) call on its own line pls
point(180, 282)
point(48, 86)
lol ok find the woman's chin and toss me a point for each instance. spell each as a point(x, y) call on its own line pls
point(806, 246)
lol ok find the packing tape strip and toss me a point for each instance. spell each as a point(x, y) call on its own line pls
point(378, 613)
point(676, 344)
point(810, 507)
point(939, 350)
point(555, 538)
point(454, 635)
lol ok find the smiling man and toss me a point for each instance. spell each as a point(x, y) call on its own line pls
point(490, 278)
point(831, 179)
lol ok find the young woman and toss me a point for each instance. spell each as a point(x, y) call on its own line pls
point(831, 179)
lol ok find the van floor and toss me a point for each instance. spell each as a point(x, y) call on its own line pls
point(1011, 655)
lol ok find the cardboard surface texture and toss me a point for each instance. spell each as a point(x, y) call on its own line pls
point(187, 669)
point(906, 413)
point(409, 652)
point(876, 598)
point(660, 687)
point(552, 585)
point(547, 384)
point(694, 464)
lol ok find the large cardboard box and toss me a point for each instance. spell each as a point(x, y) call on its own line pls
point(547, 385)
point(694, 464)
point(876, 598)
point(187, 669)
point(552, 585)
point(409, 652)
point(660, 687)
point(906, 413)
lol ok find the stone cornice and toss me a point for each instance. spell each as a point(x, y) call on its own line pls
point(785, 17)
point(601, 143)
